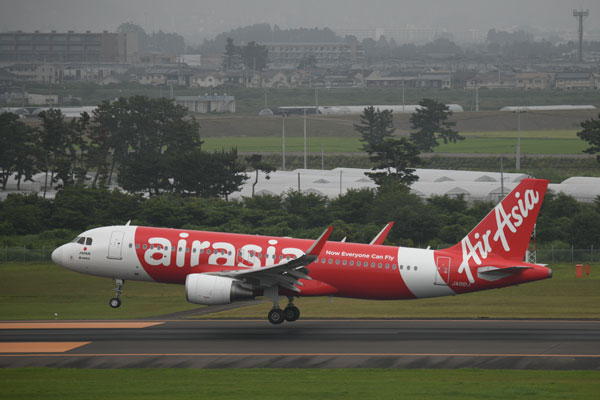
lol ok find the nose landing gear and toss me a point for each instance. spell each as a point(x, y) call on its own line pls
point(115, 302)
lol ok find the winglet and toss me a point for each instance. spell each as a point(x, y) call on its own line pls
point(317, 246)
point(380, 238)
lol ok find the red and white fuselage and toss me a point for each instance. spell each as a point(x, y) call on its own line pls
point(490, 256)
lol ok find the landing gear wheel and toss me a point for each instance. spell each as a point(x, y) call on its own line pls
point(276, 316)
point(115, 302)
point(292, 313)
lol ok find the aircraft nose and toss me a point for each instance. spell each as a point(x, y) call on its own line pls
point(57, 255)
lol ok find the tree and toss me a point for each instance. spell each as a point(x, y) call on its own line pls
point(17, 149)
point(397, 156)
point(591, 134)
point(64, 148)
point(431, 123)
point(374, 127)
point(256, 162)
point(231, 52)
point(254, 56)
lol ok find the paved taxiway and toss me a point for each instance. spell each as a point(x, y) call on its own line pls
point(521, 344)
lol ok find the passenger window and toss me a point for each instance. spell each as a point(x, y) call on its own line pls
point(393, 266)
point(379, 265)
point(358, 263)
point(337, 262)
point(415, 268)
point(408, 267)
point(145, 247)
point(323, 260)
point(81, 240)
point(387, 266)
point(372, 265)
point(344, 262)
point(130, 245)
point(401, 266)
point(88, 242)
point(137, 245)
point(351, 263)
point(331, 261)
point(207, 251)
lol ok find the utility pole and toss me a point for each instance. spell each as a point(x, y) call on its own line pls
point(518, 161)
point(476, 98)
point(305, 138)
point(580, 15)
point(402, 94)
point(283, 141)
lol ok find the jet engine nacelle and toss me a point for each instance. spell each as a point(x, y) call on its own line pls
point(212, 290)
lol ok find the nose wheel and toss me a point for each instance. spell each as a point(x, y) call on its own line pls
point(115, 302)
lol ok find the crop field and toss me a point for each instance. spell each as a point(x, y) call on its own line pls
point(36, 291)
point(182, 383)
point(499, 142)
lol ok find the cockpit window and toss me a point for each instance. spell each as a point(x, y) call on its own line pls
point(88, 241)
point(75, 240)
point(81, 240)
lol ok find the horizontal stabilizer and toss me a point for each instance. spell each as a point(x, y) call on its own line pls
point(495, 273)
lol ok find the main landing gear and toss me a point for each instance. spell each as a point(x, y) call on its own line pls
point(276, 316)
point(115, 302)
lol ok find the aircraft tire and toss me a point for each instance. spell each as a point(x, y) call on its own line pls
point(292, 313)
point(115, 302)
point(276, 316)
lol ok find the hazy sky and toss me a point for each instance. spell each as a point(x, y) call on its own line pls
point(195, 18)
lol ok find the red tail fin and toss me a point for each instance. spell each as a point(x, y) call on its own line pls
point(506, 230)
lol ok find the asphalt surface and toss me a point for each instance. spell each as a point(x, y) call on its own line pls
point(490, 344)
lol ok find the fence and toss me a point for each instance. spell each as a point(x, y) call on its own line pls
point(544, 256)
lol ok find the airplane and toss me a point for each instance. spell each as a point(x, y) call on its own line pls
point(220, 268)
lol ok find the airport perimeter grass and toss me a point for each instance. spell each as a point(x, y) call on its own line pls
point(31, 291)
point(148, 384)
point(532, 142)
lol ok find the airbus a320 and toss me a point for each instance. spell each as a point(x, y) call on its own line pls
point(220, 268)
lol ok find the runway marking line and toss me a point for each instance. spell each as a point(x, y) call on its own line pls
point(306, 354)
point(77, 325)
point(39, 347)
point(396, 320)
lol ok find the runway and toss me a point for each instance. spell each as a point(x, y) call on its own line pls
point(490, 344)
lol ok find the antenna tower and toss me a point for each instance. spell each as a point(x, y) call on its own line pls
point(580, 15)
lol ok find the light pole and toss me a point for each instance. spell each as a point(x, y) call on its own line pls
point(305, 138)
point(518, 161)
point(283, 141)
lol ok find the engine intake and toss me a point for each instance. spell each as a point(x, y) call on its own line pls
point(213, 290)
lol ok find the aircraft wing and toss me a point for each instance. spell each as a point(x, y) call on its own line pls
point(380, 238)
point(286, 274)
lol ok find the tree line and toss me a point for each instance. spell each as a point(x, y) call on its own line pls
point(358, 215)
point(148, 146)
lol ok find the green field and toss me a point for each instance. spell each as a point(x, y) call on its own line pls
point(532, 142)
point(177, 383)
point(37, 291)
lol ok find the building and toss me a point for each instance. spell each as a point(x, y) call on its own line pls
point(494, 80)
point(67, 47)
point(533, 80)
point(42, 99)
point(38, 73)
point(574, 81)
point(290, 55)
point(207, 104)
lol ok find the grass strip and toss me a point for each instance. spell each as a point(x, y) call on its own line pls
point(37, 291)
point(148, 384)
